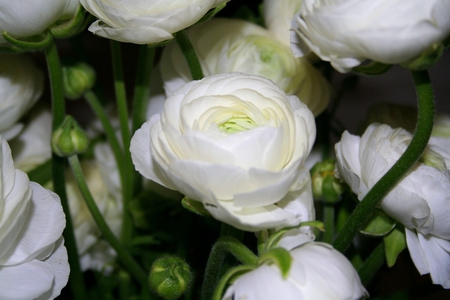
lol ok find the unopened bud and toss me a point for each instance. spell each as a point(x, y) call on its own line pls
point(69, 139)
point(325, 185)
point(77, 80)
point(170, 277)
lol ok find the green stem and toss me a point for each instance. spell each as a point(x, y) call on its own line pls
point(216, 259)
point(412, 154)
point(190, 55)
point(76, 280)
point(372, 264)
point(142, 87)
point(122, 252)
point(328, 222)
point(109, 130)
point(127, 175)
point(227, 277)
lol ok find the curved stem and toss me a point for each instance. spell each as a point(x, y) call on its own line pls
point(127, 177)
point(76, 281)
point(216, 259)
point(122, 252)
point(190, 55)
point(412, 154)
point(374, 262)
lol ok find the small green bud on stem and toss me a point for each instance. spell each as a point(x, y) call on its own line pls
point(170, 277)
point(78, 79)
point(324, 184)
point(69, 139)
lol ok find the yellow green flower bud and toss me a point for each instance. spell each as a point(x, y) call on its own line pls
point(77, 80)
point(69, 139)
point(325, 185)
point(170, 277)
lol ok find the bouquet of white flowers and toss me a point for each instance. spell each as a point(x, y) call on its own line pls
point(210, 149)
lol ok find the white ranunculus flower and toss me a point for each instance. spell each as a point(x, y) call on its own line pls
point(145, 22)
point(236, 143)
point(23, 19)
point(421, 201)
point(102, 179)
point(32, 146)
point(347, 32)
point(318, 271)
point(21, 85)
point(229, 45)
point(33, 259)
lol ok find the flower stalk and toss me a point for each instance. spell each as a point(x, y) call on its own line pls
point(426, 111)
point(122, 252)
point(76, 281)
point(190, 55)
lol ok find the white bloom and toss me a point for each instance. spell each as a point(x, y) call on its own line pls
point(236, 143)
point(145, 22)
point(347, 32)
point(32, 146)
point(227, 45)
point(94, 252)
point(421, 201)
point(318, 271)
point(278, 17)
point(21, 85)
point(33, 259)
point(23, 19)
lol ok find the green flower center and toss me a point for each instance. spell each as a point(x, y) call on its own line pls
point(237, 124)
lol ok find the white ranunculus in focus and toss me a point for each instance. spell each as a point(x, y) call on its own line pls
point(21, 85)
point(318, 271)
point(420, 201)
point(33, 259)
point(229, 45)
point(23, 19)
point(347, 32)
point(236, 143)
point(145, 22)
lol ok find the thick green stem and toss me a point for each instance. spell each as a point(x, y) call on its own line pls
point(109, 236)
point(127, 175)
point(76, 280)
point(328, 222)
point(221, 248)
point(190, 55)
point(372, 264)
point(412, 154)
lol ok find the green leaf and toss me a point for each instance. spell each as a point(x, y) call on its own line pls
point(278, 256)
point(372, 69)
point(229, 277)
point(379, 224)
point(34, 43)
point(195, 207)
point(394, 243)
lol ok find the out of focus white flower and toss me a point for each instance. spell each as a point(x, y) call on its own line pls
point(32, 146)
point(207, 145)
point(317, 271)
point(102, 179)
point(21, 85)
point(33, 259)
point(230, 45)
point(145, 22)
point(420, 201)
point(23, 19)
point(347, 32)
point(278, 17)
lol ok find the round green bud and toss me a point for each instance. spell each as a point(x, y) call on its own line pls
point(69, 139)
point(170, 277)
point(78, 79)
point(325, 185)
